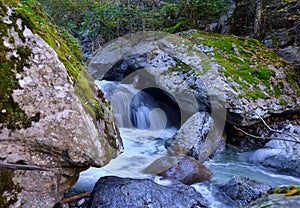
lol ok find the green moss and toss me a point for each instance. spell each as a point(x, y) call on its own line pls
point(3, 8)
point(180, 26)
point(283, 102)
point(287, 191)
point(66, 47)
point(24, 54)
point(180, 67)
point(277, 91)
point(254, 94)
point(11, 40)
point(7, 185)
point(11, 115)
point(245, 60)
point(263, 74)
point(35, 19)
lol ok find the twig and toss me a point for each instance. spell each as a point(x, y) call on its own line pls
point(79, 196)
point(21, 167)
point(274, 130)
point(261, 137)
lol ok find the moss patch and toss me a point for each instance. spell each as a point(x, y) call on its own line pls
point(287, 191)
point(11, 115)
point(66, 47)
point(246, 61)
point(7, 185)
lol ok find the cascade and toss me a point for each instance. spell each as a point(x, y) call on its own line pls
point(135, 108)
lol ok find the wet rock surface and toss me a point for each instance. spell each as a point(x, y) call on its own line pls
point(114, 192)
point(243, 190)
point(185, 169)
point(284, 156)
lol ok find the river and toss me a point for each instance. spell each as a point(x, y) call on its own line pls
point(144, 127)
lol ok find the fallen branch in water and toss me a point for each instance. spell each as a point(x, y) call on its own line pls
point(21, 167)
point(269, 138)
point(73, 198)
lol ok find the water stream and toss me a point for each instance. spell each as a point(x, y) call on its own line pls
point(144, 128)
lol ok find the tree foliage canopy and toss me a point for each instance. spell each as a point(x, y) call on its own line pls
point(112, 18)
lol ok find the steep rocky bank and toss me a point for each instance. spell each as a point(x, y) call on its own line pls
point(53, 121)
point(275, 23)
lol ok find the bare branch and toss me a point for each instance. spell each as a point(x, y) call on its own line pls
point(22, 167)
point(87, 194)
point(276, 131)
point(269, 138)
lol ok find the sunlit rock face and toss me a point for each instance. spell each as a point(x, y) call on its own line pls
point(44, 126)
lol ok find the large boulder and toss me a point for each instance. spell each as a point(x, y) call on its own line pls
point(210, 72)
point(114, 192)
point(49, 131)
point(195, 138)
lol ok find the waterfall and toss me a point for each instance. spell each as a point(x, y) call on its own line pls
point(135, 108)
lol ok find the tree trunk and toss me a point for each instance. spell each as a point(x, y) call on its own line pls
point(257, 22)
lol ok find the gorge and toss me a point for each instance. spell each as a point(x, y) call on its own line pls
point(152, 120)
point(143, 146)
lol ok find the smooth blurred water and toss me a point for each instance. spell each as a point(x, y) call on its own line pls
point(228, 164)
point(142, 146)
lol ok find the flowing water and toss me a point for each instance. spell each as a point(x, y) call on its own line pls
point(144, 128)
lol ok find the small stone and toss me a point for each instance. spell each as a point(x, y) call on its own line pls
point(80, 202)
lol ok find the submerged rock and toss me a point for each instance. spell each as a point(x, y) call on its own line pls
point(243, 190)
point(114, 192)
point(49, 131)
point(185, 169)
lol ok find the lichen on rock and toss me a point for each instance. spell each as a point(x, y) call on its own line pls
point(47, 117)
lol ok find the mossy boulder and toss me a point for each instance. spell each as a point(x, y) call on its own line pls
point(204, 71)
point(276, 23)
point(52, 117)
point(279, 197)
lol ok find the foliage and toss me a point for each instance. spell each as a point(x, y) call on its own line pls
point(110, 19)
